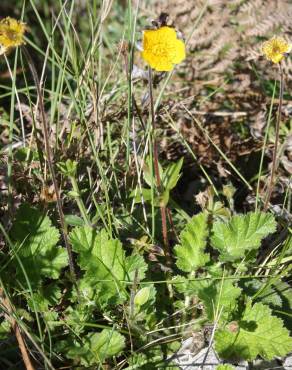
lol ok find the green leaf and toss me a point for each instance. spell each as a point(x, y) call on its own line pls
point(94, 348)
point(142, 296)
point(46, 296)
point(171, 174)
point(134, 263)
point(242, 234)
point(97, 249)
point(68, 168)
point(266, 294)
point(225, 367)
point(36, 244)
point(147, 172)
point(144, 195)
point(277, 296)
point(164, 198)
point(190, 252)
point(73, 194)
point(145, 306)
point(106, 344)
point(74, 220)
point(258, 333)
point(182, 285)
point(5, 329)
point(41, 301)
point(217, 296)
point(80, 315)
point(102, 258)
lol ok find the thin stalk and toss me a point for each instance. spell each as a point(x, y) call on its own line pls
point(125, 54)
point(50, 164)
point(11, 129)
point(264, 146)
point(157, 174)
point(278, 122)
point(18, 101)
point(79, 201)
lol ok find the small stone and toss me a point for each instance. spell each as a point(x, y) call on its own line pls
point(207, 357)
point(288, 363)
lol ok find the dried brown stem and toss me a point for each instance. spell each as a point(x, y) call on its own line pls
point(278, 122)
point(50, 164)
point(21, 344)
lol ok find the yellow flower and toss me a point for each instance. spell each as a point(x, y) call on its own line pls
point(162, 49)
point(11, 33)
point(276, 48)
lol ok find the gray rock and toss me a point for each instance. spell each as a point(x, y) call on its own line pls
point(288, 362)
point(188, 361)
point(205, 359)
point(191, 356)
point(266, 365)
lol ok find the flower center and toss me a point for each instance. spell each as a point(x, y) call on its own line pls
point(160, 50)
point(276, 49)
point(11, 34)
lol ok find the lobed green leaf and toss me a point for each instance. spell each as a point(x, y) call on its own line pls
point(242, 234)
point(258, 333)
point(190, 252)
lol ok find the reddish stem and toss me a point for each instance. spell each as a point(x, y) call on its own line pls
point(157, 175)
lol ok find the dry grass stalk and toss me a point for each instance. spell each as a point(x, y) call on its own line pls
point(21, 344)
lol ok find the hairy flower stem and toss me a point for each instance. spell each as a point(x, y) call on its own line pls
point(157, 175)
point(50, 165)
point(79, 201)
point(278, 122)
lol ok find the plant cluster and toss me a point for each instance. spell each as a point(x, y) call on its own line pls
point(101, 264)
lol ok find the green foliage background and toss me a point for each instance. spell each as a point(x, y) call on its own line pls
point(128, 308)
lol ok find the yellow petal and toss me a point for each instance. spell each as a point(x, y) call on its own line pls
point(159, 64)
point(167, 33)
point(147, 56)
point(163, 66)
point(277, 58)
point(147, 38)
point(180, 52)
